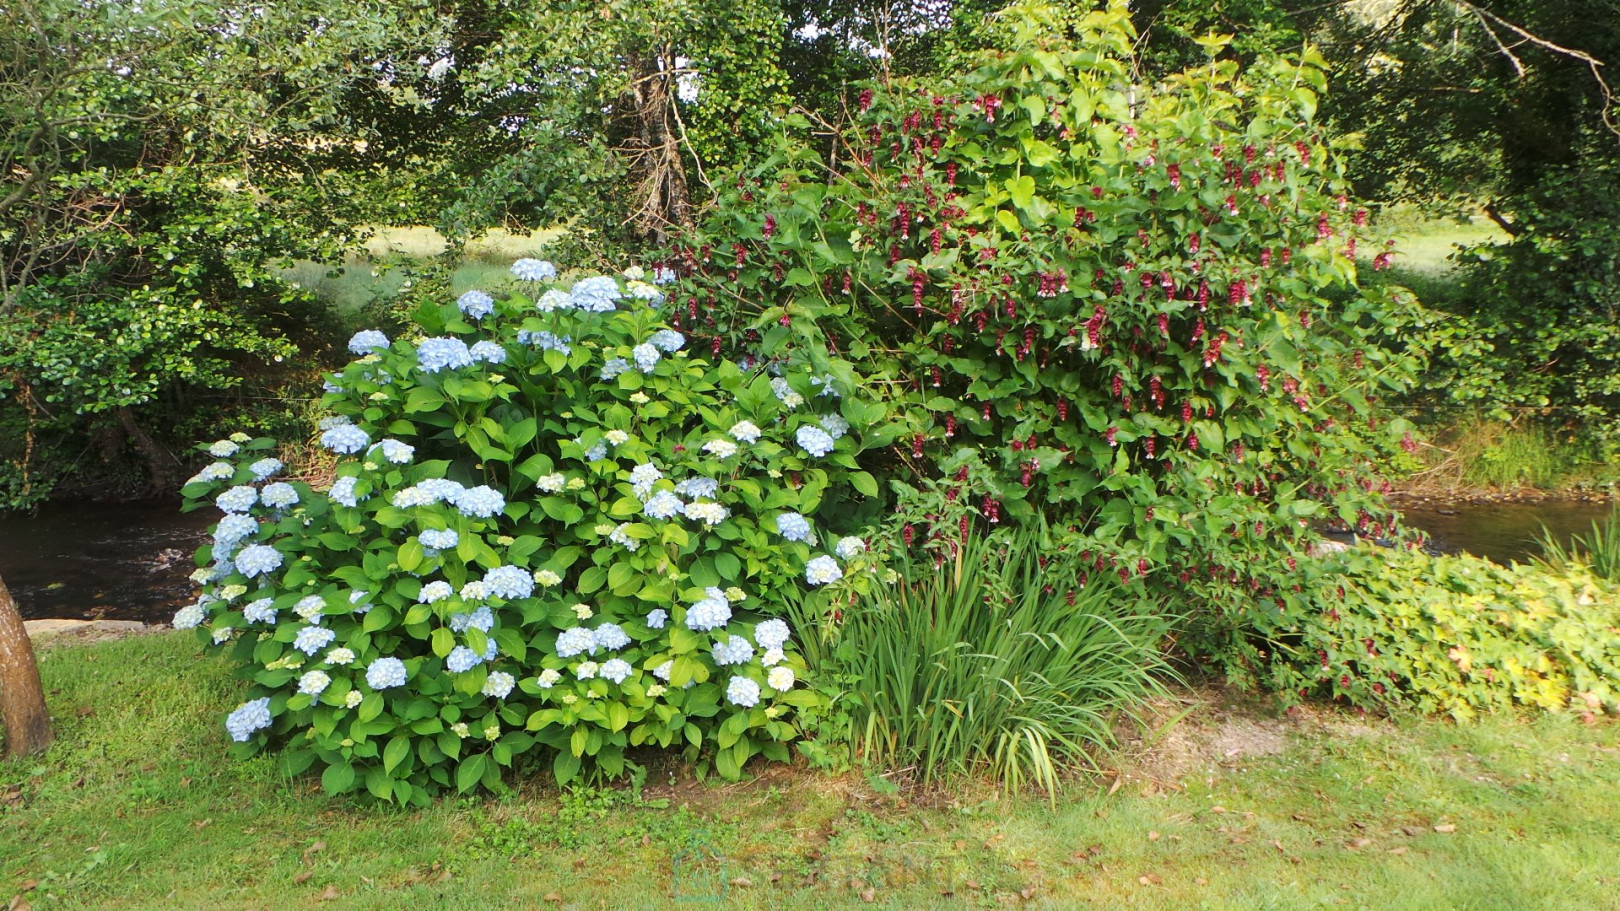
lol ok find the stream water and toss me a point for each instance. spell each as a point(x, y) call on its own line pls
point(129, 561)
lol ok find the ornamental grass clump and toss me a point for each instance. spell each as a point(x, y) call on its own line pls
point(1001, 661)
point(531, 544)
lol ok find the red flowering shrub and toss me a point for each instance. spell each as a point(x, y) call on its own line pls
point(1132, 309)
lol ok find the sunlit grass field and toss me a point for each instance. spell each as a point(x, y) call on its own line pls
point(377, 274)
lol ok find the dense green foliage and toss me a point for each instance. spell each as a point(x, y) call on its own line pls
point(570, 534)
point(156, 162)
point(999, 661)
point(1453, 635)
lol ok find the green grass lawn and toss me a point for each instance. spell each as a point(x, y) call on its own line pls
point(137, 806)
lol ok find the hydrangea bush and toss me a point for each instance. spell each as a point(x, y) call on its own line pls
point(552, 525)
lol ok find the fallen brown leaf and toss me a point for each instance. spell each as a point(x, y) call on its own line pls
point(330, 894)
point(552, 897)
point(742, 882)
point(1360, 843)
point(868, 895)
point(18, 903)
point(1446, 828)
point(302, 878)
point(1028, 892)
point(1401, 850)
point(1150, 879)
point(1154, 836)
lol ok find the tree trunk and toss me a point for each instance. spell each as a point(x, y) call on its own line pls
point(22, 699)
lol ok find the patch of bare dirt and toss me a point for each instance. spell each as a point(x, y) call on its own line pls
point(1207, 732)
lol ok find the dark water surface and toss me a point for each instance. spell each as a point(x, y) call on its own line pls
point(1503, 532)
point(130, 561)
point(122, 561)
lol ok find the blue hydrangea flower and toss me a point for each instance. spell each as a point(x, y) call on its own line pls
point(646, 292)
point(826, 384)
point(698, 487)
point(237, 499)
point(461, 660)
point(312, 639)
point(848, 547)
point(488, 352)
point(397, 452)
point(713, 612)
point(509, 582)
point(707, 512)
point(835, 425)
point(367, 340)
point(663, 275)
point(611, 636)
point(575, 641)
point(822, 571)
point(491, 650)
point(476, 304)
point(310, 608)
point(223, 449)
point(257, 560)
point(346, 439)
point(435, 354)
point(616, 669)
point(554, 300)
point(342, 492)
point(742, 691)
point(314, 683)
point(189, 617)
point(482, 502)
point(441, 490)
point(657, 617)
point(435, 591)
point(771, 634)
point(794, 527)
point(667, 340)
point(248, 717)
point(612, 369)
point(260, 611)
point(646, 357)
point(439, 538)
point(621, 536)
point(745, 432)
point(663, 505)
point(785, 393)
point(642, 479)
point(735, 650)
point(545, 341)
point(264, 468)
point(499, 684)
point(814, 440)
point(215, 471)
point(386, 672)
point(232, 529)
point(533, 270)
point(482, 619)
point(279, 495)
point(663, 671)
point(329, 386)
point(595, 294)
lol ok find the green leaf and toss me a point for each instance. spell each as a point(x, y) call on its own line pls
point(470, 771)
point(337, 779)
